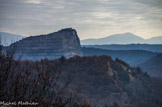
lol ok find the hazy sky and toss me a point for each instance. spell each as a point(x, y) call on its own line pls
point(91, 18)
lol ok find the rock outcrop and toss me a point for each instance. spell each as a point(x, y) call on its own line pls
point(52, 46)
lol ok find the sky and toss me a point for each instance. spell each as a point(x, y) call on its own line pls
point(91, 18)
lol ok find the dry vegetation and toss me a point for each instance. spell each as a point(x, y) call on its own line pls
point(47, 82)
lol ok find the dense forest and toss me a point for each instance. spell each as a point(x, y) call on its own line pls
point(91, 81)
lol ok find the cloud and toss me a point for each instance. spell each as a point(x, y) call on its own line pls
point(92, 19)
point(33, 1)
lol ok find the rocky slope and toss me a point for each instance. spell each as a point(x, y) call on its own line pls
point(54, 45)
point(101, 81)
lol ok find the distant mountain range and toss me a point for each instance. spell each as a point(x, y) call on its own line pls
point(8, 38)
point(125, 38)
point(153, 66)
point(147, 47)
point(132, 57)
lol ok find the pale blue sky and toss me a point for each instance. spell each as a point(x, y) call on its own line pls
point(91, 18)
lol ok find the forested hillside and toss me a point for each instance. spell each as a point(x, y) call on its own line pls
point(96, 81)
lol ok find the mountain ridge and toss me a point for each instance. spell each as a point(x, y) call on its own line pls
point(124, 38)
point(147, 47)
point(132, 57)
point(153, 66)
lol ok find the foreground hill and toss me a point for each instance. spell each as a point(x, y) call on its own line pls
point(147, 47)
point(153, 66)
point(54, 45)
point(125, 38)
point(98, 80)
point(132, 57)
point(8, 38)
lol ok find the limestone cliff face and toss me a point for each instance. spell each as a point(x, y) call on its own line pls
point(54, 45)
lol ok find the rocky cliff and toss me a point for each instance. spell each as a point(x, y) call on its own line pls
point(54, 45)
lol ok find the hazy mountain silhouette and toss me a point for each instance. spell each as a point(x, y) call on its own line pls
point(125, 38)
point(153, 66)
point(8, 38)
point(155, 40)
point(147, 47)
point(132, 57)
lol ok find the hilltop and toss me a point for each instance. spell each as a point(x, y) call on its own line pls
point(125, 38)
point(52, 46)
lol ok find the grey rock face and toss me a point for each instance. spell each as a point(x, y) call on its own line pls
point(52, 46)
